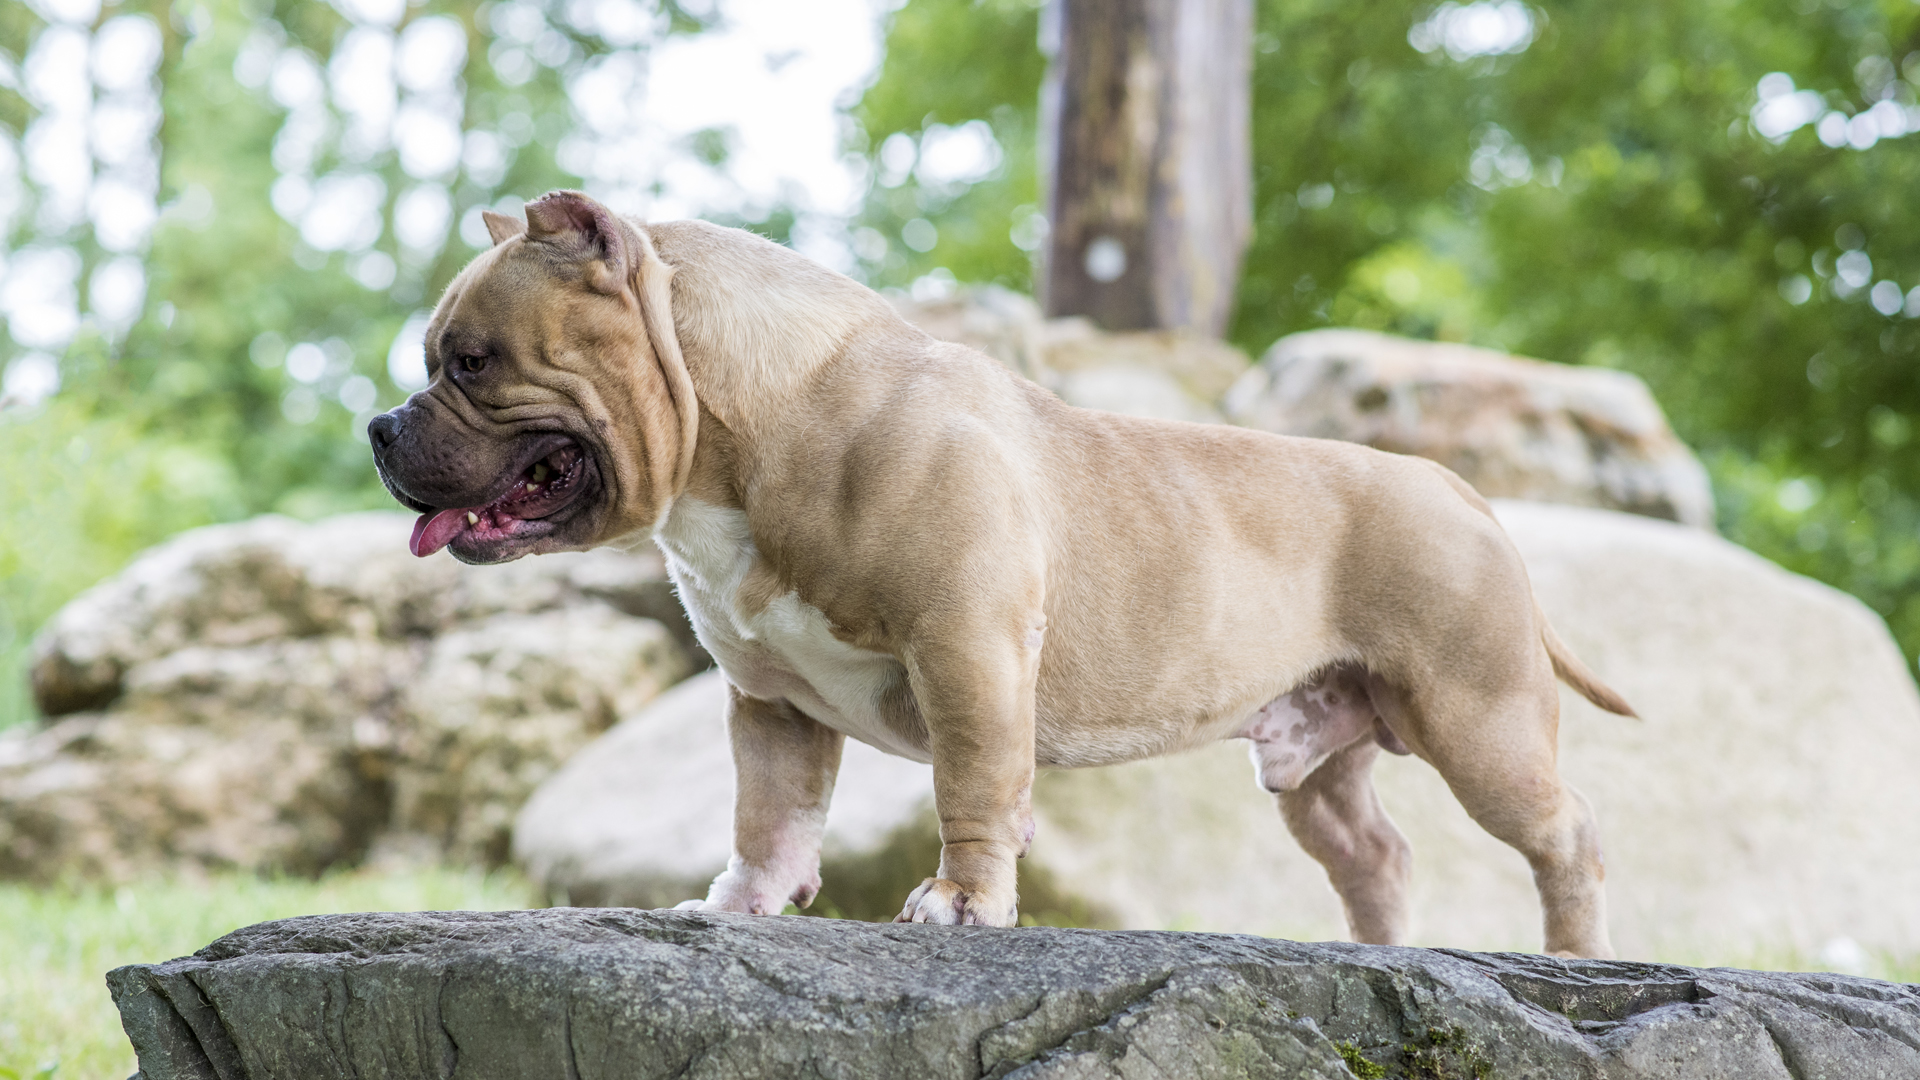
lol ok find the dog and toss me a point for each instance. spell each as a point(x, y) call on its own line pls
point(888, 537)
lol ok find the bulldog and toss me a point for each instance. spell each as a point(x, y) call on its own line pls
point(886, 537)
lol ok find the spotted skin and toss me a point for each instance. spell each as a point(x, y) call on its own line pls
point(1296, 733)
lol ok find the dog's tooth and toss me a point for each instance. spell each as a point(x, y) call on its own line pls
point(473, 518)
point(531, 486)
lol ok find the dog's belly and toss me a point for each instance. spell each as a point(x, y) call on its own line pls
point(787, 649)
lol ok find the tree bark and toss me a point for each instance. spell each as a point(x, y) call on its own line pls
point(1146, 120)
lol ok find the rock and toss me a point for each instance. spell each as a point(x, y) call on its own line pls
point(1135, 391)
point(677, 994)
point(1204, 367)
point(1166, 374)
point(643, 816)
point(1512, 427)
point(277, 695)
point(1761, 812)
point(1004, 324)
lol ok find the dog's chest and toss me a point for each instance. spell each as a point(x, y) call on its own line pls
point(784, 650)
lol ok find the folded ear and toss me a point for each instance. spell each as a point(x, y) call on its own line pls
point(655, 288)
point(501, 227)
point(583, 230)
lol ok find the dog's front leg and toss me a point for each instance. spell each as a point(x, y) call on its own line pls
point(978, 706)
point(784, 765)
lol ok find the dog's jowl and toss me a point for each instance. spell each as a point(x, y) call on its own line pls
point(883, 536)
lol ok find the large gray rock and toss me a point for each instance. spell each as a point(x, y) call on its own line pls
point(579, 993)
point(272, 694)
point(643, 816)
point(1762, 812)
point(1165, 374)
point(1513, 427)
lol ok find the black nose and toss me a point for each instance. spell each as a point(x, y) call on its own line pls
point(383, 429)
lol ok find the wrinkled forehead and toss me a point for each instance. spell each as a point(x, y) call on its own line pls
point(499, 293)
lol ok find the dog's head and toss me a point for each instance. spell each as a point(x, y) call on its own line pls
point(559, 414)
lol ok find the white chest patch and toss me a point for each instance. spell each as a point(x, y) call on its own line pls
point(787, 649)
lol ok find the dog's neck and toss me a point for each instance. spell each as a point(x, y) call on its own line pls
point(764, 332)
point(756, 321)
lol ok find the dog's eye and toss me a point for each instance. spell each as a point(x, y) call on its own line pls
point(473, 363)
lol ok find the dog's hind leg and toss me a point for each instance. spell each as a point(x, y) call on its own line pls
point(1336, 816)
point(1499, 756)
point(1554, 827)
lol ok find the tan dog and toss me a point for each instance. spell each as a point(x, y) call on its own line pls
point(885, 536)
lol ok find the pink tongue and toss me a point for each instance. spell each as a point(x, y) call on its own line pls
point(435, 531)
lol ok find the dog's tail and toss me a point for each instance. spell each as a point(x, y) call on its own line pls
point(1575, 674)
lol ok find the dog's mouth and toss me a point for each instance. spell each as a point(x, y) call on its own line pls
point(521, 513)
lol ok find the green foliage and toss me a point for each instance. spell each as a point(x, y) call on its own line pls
point(56, 1019)
point(82, 494)
point(1601, 196)
point(191, 415)
point(949, 63)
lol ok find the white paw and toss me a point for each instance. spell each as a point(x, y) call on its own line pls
point(945, 903)
point(750, 893)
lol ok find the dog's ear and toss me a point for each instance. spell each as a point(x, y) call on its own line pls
point(501, 227)
point(583, 230)
point(654, 284)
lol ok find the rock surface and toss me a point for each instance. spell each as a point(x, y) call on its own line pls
point(1514, 428)
point(1762, 812)
point(278, 695)
point(643, 816)
point(579, 993)
point(1166, 374)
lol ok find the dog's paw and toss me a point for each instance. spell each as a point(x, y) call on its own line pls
point(753, 894)
point(944, 902)
point(937, 900)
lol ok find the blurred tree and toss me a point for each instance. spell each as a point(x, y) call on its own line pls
point(1716, 197)
point(221, 220)
point(1150, 186)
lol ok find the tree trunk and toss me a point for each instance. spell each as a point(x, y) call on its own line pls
point(1146, 117)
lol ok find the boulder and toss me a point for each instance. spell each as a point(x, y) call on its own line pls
point(1132, 389)
point(1004, 324)
point(1761, 812)
point(625, 993)
point(272, 694)
point(1512, 427)
point(644, 815)
point(1166, 374)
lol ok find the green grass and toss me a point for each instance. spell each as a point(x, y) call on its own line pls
point(56, 945)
